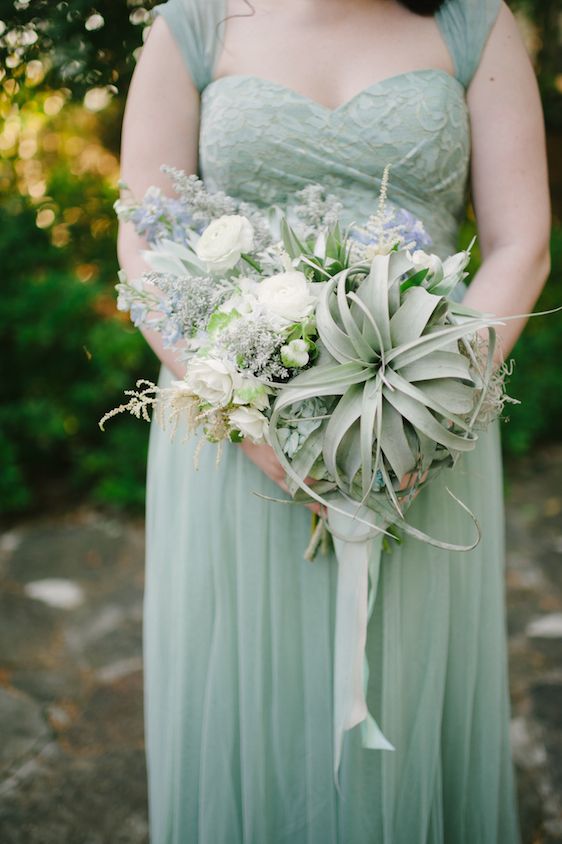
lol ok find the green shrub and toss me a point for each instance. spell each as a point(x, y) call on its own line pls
point(70, 355)
point(537, 379)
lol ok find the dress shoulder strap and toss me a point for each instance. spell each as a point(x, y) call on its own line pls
point(195, 24)
point(466, 25)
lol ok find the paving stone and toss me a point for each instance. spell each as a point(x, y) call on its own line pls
point(30, 632)
point(546, 627)
point(75, 552)
point(56, 592)
point(22, 727)
point(112, 718)
point(48, 684)
point(77, 769)
point(99, 800)
point(547, 703)
point(534, 603)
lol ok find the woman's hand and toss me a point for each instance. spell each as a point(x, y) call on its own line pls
point(265, 459)
point(411, 478)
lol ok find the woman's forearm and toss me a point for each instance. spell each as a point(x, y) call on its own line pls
point(509, 282)
point(129, 248)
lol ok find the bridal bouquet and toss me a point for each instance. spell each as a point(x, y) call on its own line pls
point(341, 347)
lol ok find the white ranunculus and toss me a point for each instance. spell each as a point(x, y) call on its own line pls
point(211, 379)
point(295, 353)
point(287, 296)
point(223, 242)
point(250, 422)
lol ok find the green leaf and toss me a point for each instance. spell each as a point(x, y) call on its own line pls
point(330, 375)
point(414, 280)
point(411, 318)
point(346, 412)
point(457, 397)
point(363, 350)
point(437, 365)
point(421, 418)
point(371, 407)
point(292, 244)
point(394, 442)
point(398, 383)
point(335, 340)
point(220, 320)
point(410, 352)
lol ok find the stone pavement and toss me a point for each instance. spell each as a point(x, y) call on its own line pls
point(72, 767)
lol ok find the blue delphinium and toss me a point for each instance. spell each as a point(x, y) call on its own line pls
point(394, 225)
point(158, 216)
point(411, 229)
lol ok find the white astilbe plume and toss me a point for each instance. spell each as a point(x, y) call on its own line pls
point(387, 227)
point(171, 407)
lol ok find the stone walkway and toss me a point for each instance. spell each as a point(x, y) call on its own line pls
point(72, 767)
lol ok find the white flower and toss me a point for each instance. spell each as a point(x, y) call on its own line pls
point(182, 387)
point(286, 261)
point(421, 261)
point(250, 422)
point(244, 300)
point(126, 290)
point(455, 264)
point(295, 353)
point(287, 296)
point(250, 390)
point(223, 242)
point(212, 379)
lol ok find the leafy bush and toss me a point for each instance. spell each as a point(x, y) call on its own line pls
point(70, 355)
point(537, 379)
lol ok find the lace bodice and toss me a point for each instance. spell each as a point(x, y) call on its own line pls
point(261, 141)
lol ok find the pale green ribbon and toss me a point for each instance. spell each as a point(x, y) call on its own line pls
point(358, 554)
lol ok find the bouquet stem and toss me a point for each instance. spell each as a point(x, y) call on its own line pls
point(318, 535)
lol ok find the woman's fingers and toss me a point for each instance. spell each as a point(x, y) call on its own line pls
point(265, 459)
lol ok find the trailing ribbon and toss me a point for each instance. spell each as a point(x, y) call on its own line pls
point(358, 557)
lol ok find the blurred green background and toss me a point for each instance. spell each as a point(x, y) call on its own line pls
point(66, 353)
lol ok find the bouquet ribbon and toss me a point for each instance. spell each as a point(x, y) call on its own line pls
point(358, 556)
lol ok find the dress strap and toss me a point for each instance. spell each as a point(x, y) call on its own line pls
point(195, 24)
point(466, 25)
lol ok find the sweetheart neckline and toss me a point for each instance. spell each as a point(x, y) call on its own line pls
point(347, 103)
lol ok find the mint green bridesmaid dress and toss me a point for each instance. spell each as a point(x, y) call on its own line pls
point(238, 628)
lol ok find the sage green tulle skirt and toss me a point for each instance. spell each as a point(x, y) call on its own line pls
point(238, 649)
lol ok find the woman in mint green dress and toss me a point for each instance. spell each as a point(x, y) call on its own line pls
point(262, 99)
